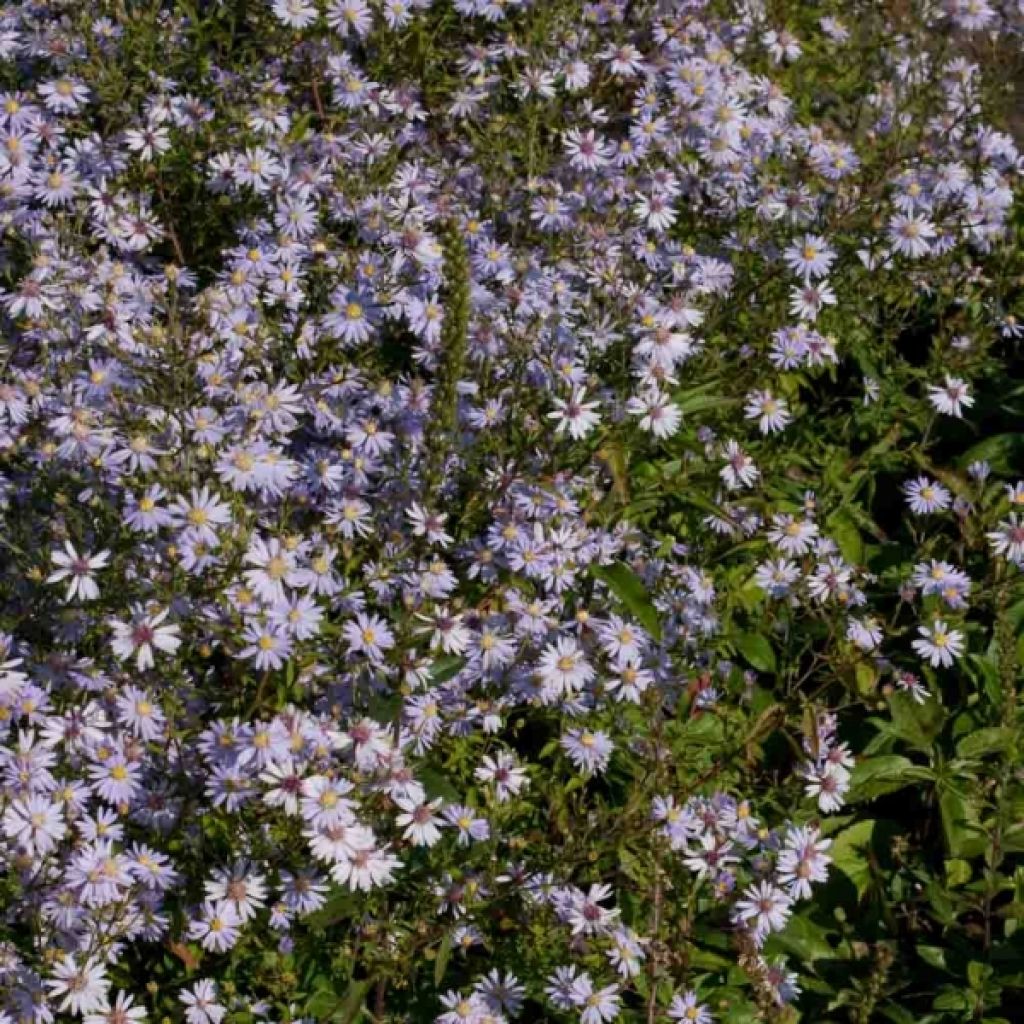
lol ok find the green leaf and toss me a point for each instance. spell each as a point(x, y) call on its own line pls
point(879, 775)
point(978, 973)
point(757, 650)
point(933, 956)
point(804, 939)
point(702, 730)
point(340, 905)
point(322, 1004)
point(444, 955)
point(1013, 839)
point(699, 398)
point(299, 128)
point(1004, 452)
point(917, 724)
point(438, 785)
point(353, 1002)
point(959, 824)
point(384, 707)
point(633, 867)
point(849, 853)
point(951, 999)
point(958, 872)
point(843, 530)
point(446, 668)
point(984, 742)
point(704, 959)
point(629, 589)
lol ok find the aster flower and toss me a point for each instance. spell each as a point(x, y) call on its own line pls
point(267, 645)
point(365, 869)
point(739, 470)
point(803, 860)
point(64, 95)
point(34, 823)
point(911, 235)
point(121, 1011)
point(243, 888)
point(585, 914)
point(952, 397)
point(589, 750)
point(910, 683)
point(687, 1009)
point(469, 827)
point(938, 644)
point(428, 524)
point(575, 416)
point(368, 635)
point(925, 496)
point(201, 514)
point(765, 908)
point(564, 668)
point(420, 825)
point(811, 257)
point(78, 986)
point(792, 536)
point(504, 772)
point(217, 926)
point(658, 414)
point(202, 1003)
point(78, 570)
point(625, 954)
point(273, 564)
point(501, 994)
point(294, 13)
point(828, 783)
point(771, 413)
point(777, 577)
point(1007, 540)
point(139, 713)
point(600, 1005)
point(142, 635)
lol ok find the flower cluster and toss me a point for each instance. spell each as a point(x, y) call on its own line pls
point(334, 584)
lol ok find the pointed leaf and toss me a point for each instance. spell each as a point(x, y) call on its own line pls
point(757, 650)
point(879, 775)
point(629, 589)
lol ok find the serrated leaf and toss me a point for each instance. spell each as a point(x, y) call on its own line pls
point(629, 589)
